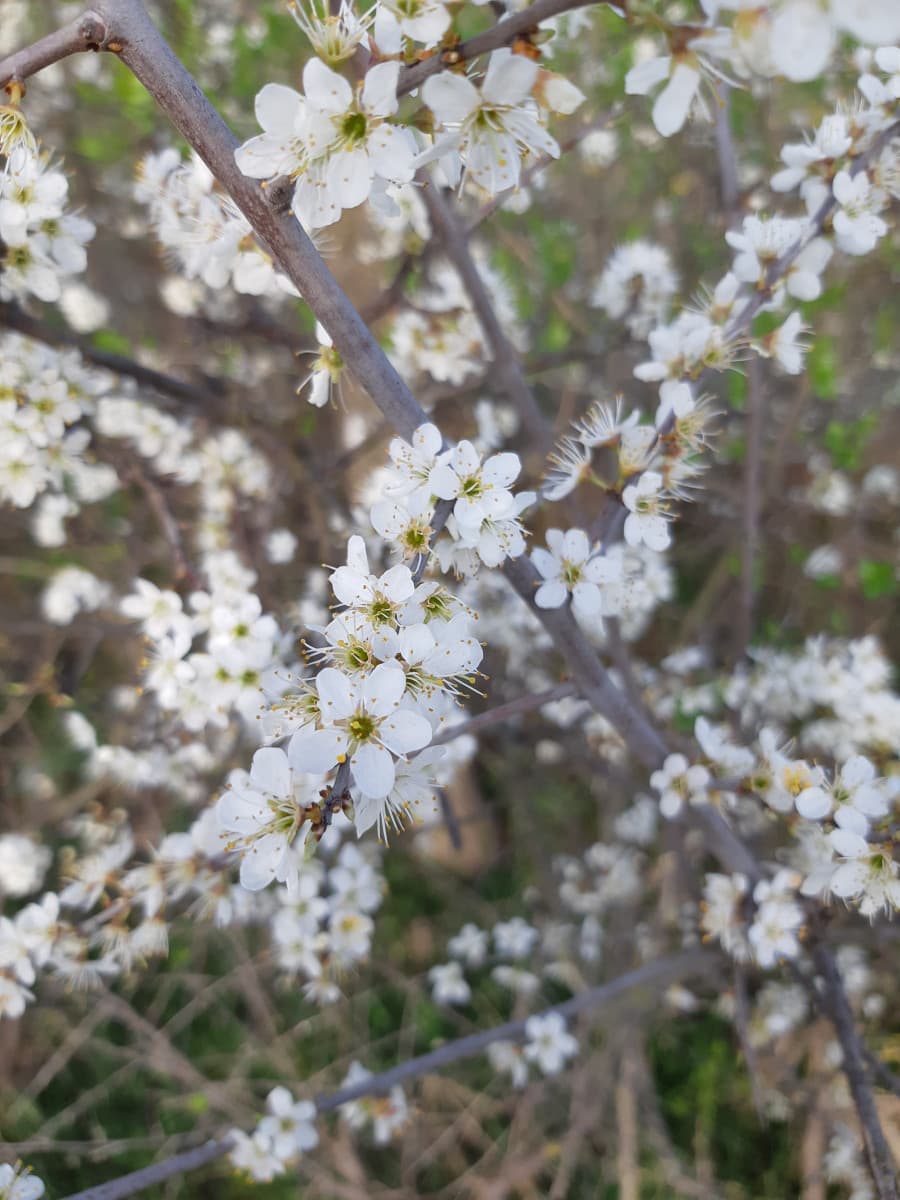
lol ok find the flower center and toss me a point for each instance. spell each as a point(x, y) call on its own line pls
point(381, 611)
point(416, 538)
point(286, 816)
point(353, 127)
point(361, 727)
point(471, 487)
point(330, 360)
point(437, 606)
point(571, 573)
point(795, 779)
point(358, 656)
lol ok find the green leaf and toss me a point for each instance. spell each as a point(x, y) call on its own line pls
point(736, 385)
point(827, 583)
point(876, 579)
point(822, 367)
point(556, 334)
point(111, 341)
point(846, 440)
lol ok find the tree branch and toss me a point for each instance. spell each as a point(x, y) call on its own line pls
point(14, 318)
point(87, 32)
point(837, 1006)
point(654, 975)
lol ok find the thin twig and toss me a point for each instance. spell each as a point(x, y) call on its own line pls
point(728, 168)
point(168, 524)
point(837, 1006)
point(504, 712)
point(546, 160)
point(211, 394)
point(752, 504)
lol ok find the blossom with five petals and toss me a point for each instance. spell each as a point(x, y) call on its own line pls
point(361, 720)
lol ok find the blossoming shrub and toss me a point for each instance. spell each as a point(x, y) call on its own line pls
point(544, 839)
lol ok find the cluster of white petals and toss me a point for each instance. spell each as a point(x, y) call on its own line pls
point(333, 141)
point(203, 228)
point(487, 131)
point(281, 1137)
point(43, 242)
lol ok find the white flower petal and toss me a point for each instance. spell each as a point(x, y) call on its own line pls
point(373, 770)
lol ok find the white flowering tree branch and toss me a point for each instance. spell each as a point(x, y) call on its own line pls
point(141, 47)
point(652, 978)
point(146, 53)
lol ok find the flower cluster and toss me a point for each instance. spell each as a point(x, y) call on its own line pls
point(343, 145)
point(637, 286)
point(780, 257)
point(238, 660)
point(44, 398)
point(43, 241)
point(282, 1136)
point(653, 465)
point(324, 929)
point(762, 926)
point(441, 336)
point(333, 141)
point(483, 526)
point(202, 228)
point(837, 694)
point(398, 652)
point(793, 38)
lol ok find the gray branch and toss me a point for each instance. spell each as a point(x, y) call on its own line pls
point(87, 32)
point(837, 1006)
point(655, 975)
